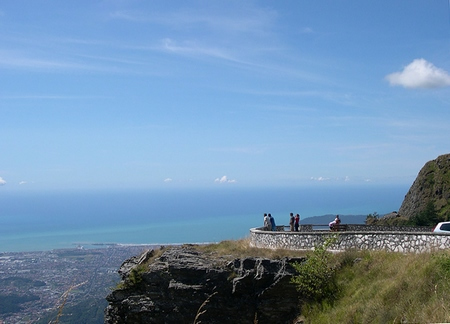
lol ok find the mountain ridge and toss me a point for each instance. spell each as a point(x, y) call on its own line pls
point(431, 186)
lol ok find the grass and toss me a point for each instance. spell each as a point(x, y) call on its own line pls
point(241, 249)
point(373, 286)
point(383, 287)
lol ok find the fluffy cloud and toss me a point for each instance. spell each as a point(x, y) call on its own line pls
point(168, 180)
point(420, 74)
point(2, 182)
point(224, 179)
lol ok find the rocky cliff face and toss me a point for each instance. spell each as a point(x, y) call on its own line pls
point(187, 286)
point(431, 185)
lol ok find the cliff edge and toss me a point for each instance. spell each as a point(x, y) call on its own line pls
point(432, 185)
point(184, 285)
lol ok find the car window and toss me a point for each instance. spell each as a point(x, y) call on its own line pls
point(445, 227)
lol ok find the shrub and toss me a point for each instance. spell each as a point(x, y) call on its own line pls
point(316, 277)
point(427, 217)
point(372, 219)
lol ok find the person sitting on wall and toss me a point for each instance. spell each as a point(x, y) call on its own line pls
point(333, 224)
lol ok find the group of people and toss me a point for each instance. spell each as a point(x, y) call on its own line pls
point(294, 222)
point(269, 222)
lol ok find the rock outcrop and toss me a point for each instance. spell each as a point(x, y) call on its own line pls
point(431, 185)
point(184, 285)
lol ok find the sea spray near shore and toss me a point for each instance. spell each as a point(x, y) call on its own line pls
point(33, 221)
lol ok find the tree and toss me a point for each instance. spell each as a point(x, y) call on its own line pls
point(427, 217)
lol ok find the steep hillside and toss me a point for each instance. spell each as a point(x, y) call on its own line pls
point(432, 185)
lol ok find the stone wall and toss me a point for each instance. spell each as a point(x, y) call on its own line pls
point(362, 228)
point(394, 241)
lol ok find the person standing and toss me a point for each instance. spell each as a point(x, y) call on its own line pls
point(297, 222)
point(272, 222)
point(291, 222)
point(267, 225)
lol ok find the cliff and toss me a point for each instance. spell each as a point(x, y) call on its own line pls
point(184, 285)
point(431, 185)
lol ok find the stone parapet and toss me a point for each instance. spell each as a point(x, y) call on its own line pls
point(361, 228)
point(393, 241)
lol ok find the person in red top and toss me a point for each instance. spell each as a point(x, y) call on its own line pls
point(297, 222)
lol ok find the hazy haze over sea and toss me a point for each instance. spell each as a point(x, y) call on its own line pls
point(33, 221)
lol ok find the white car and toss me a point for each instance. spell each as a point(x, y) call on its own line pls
point(443, 227)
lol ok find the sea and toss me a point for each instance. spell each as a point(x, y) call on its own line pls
point(48, 220)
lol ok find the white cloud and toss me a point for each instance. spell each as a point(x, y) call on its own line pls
point(168, 180)
point(345, 179)
point(320, 179)
point(22, 182)
point(2, 182)
point(420, 74)
point(224, 179)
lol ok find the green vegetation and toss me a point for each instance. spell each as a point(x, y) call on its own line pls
point(427, 217)
point(382, 287)
point(316, 277)
point(375, 219)
point(241, 249)
point(372, 219)
point(366, 286)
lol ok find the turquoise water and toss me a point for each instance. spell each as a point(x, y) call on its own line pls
point(33, 221)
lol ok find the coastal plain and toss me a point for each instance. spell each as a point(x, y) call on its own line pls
point(33, 285)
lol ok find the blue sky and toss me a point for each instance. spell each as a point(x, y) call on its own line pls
point(153, 94)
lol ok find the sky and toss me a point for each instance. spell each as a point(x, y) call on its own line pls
point(161, 94)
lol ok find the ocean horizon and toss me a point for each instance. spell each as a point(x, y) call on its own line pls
point(42, 221)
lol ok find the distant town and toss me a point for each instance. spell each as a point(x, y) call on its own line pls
point(34, 286)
